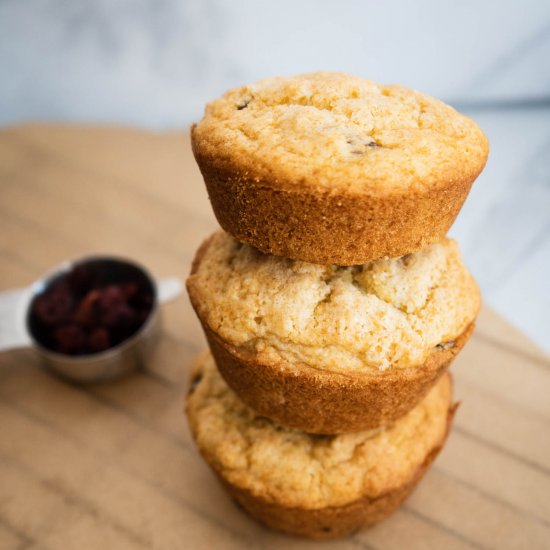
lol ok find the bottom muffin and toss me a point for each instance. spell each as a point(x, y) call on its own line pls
point(313, 485)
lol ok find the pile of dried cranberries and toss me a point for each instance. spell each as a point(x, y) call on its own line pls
point(95, 306)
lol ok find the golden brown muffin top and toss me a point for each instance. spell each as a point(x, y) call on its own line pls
point(389, 313)
point(337, 131)
point(296, 469)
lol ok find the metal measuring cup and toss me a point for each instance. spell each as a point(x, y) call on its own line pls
point(16, 330)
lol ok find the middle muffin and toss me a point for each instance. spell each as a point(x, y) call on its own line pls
point(330, 349)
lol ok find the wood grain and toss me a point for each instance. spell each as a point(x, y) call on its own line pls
point(112, 465)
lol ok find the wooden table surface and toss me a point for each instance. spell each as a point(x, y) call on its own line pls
point(113, 466)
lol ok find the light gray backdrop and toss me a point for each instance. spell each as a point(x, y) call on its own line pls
point(155, 63)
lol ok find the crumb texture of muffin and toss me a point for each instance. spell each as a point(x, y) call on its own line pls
point(389, 313)
point(302, 471)
point(336, 130)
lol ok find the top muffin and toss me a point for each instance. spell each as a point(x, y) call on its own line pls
point(341, 132)
point(333, 169)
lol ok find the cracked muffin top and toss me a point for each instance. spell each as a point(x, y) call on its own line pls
point(389, 313)
point(334, 130)
point(310, 471)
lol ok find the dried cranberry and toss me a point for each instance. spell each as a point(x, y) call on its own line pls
point(118, 316)
point(69, 339)
point(99, 340)
point(111, 297)
point(87, 311)
point(55, 306)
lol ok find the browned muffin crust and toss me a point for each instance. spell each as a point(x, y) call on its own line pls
point(316, 401)
point(333, 169)
point(317, 226)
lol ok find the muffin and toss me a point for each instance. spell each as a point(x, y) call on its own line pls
point(329, 349)
point(333, 169)
point(315, 486)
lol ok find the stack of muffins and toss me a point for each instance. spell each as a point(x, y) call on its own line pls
point(333, 304)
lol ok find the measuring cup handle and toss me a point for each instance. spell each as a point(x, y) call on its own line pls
point(13, 307)
point(168, 288)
